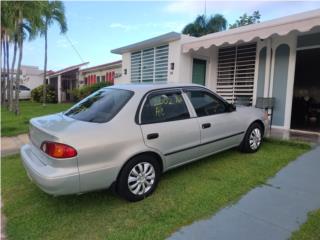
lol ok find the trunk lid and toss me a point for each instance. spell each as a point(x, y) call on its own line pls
point(48, 128)
point(53, 128)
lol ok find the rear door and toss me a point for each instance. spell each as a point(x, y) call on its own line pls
point(167, 126)
point(220, 129)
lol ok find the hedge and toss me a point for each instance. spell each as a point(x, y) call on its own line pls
point(82, 92)
point(37, 94)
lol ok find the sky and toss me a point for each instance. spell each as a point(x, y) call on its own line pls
point(97, 27)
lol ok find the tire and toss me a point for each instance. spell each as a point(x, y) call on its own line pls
point(138, 178)
point(252, 139)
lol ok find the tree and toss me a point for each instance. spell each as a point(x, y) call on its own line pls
point(246, 20)
point(7, 29)
point(53, 12)
point(203, 25)
point(19, 20)
point(27, 17)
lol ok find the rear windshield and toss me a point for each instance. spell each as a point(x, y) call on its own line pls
point(100, 106)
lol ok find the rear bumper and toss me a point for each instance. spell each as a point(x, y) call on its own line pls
point(52, 180)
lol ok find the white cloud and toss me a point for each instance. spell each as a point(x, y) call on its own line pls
point(125, 27)
point(198, 7)
point(233, 9)
point(164, 26)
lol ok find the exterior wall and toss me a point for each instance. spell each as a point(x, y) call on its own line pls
point(115, 72)
point(31, 76)
point(266, 73)
point(280, 80)
point(186, 66)
point(271, 76)
point(126, 69)
point(274, 73)
point(178, 59)
point(291, 41)
point(182, 63)
point(262, 58)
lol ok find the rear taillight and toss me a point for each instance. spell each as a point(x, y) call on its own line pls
point(58, 150)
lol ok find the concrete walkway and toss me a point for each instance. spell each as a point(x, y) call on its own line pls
point(11, 145)
point(272, 211)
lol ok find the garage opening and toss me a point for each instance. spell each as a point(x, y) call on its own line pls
point(306, 96)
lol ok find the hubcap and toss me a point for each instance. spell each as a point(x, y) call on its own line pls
point(141, 178)
point(255, 139)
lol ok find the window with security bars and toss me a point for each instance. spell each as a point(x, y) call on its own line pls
point(236, 66)
point(150, 65)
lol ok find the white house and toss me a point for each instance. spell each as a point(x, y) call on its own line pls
point(276, 59)
point(31, 76)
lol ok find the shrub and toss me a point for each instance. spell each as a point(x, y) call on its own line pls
point(37, 94)
point(82, 92)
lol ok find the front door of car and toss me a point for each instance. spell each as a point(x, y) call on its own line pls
point(167, 127)
point(220, 128)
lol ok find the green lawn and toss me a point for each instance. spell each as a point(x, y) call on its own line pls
point(12, 125)
point(192, 192)
point(310, 230)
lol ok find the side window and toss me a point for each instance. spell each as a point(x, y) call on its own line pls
point(164, 107)
point(206, 104)
point(22, 87)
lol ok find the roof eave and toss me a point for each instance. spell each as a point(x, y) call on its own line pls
point(162, 39)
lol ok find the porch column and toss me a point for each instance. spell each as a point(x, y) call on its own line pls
point(267, 79)
point(59, 88)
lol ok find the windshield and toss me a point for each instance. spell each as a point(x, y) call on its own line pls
point(100, 106)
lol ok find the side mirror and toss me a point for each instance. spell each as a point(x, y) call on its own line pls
point(231, 108)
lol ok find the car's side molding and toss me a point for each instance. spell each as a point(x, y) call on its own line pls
point(205, 143)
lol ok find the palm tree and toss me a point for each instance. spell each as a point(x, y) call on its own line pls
point(216, 24)
point(19, 19)
point(203, 25)
point(4, 67)
point(7, 25)
point(27, 23)
point(53, 12)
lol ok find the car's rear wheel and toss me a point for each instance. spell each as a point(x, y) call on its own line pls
point(252, 139)
point(138, 178)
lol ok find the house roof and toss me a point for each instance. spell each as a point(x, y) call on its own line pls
point(103, 66)
point(301, 22)
point(68, 69)
point(162, 39)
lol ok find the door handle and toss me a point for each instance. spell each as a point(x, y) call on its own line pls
point(152, 136)
point(206, 125)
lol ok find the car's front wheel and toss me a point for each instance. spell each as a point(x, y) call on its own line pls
point(138, 178)
point(252, 139)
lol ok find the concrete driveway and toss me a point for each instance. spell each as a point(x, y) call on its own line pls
point(272, 211)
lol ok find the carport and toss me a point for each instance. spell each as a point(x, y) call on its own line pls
point(64, 81)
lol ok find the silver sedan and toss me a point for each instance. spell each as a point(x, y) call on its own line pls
point(125, 136)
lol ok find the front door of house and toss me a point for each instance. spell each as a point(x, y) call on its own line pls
point(199, 71)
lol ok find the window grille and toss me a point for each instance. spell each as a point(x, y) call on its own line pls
point(150, 65)
point(236, 67)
